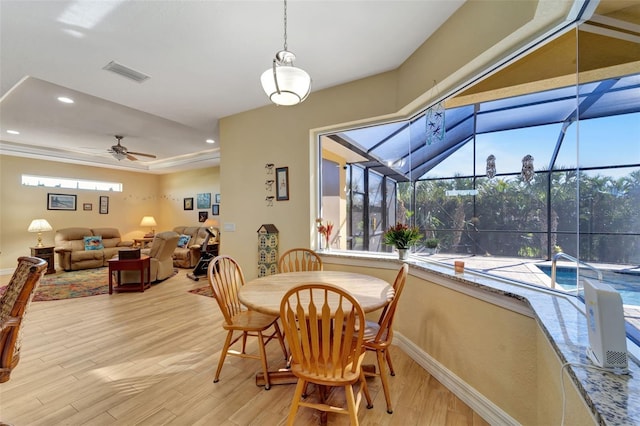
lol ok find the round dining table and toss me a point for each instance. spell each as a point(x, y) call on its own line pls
point(264, 294)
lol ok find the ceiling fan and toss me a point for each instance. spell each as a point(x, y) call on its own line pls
point(121, 152)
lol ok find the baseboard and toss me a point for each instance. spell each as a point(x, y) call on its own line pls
point(478, 402)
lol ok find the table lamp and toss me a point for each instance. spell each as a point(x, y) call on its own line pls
point(211, 223)
point(151, 222)
point(39, 226)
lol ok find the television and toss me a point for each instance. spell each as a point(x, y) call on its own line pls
point(605, 325)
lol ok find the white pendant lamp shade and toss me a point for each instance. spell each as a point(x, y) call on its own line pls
point(285, 84)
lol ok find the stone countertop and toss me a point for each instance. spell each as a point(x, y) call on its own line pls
point(613, 398)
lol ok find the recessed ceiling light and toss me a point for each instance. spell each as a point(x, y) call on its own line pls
point(65, 100)
point(13, 132)
point(210, 141)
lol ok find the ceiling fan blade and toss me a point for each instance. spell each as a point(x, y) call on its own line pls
point(140, 153)
point(131, 157)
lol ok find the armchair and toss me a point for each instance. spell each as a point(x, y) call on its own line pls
point(161, 251)
point(13, 307)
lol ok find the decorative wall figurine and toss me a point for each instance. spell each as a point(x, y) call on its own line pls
point(527, 168)
point(491, 166)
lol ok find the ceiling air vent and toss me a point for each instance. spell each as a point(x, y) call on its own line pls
point(120, 69)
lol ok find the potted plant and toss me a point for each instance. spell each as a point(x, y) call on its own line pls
point(402, 237)
point(432, 245)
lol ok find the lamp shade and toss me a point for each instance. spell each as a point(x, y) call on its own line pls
point(293, 83)
point(39, 225)
point(148, 221)
point(209, 223)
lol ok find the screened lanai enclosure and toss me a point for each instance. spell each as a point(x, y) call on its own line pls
point(507, 177)
point(538, 156)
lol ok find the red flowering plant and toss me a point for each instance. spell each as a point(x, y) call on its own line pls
point(325, 230)
point(402, 236)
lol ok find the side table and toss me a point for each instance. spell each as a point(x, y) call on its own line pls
point(143, 265)
point(45, 253)
point(142, 242)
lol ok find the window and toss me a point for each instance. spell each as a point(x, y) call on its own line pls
point(58, 182)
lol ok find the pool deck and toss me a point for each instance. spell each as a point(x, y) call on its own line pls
point(526, 270)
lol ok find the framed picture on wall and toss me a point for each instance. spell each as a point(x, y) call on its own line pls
point(104, 204)
point(215, 209)
point(203, 216)
point(217, 199)
point(87, 206)
point(282, 183)
point(188, 203)
point(61, 202)
point(204, 200)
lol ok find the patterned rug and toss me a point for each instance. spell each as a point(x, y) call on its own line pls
point(69, 285)
point(202, 291)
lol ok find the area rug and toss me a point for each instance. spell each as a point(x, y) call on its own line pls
point(70, 285)
point(202, 291)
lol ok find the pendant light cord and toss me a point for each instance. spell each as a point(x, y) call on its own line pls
point(285, 24)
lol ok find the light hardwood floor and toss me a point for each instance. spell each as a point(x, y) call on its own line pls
point(149, 359)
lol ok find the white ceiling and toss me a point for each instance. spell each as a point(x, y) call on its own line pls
point(205, 59)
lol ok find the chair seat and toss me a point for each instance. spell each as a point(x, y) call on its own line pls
point(250, 321)
point(371, 331)
point(348, 378)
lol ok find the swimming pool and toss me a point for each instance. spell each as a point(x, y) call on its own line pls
point(628, 284)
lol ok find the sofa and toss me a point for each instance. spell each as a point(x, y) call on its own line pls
point(86, 248)
point(187, 254)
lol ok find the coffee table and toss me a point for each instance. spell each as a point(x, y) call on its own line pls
point(117, 265)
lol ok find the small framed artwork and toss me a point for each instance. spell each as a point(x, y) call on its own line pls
point(204, 201)
point(203, 216)
point(61, 202)
point(188, 203)
point(282, 183)
point(215, 209)
point(104, 204)
point(217, 199)
point(87, 206)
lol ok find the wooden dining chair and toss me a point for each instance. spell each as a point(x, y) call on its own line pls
point(225, 278)
point(299, 259)
point(14, 305)
point(324, 329)
point(378, 336)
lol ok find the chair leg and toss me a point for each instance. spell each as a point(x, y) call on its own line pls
point(244, 342)
point(365, 389)
point(385, 379)
point(223, 355)
point(263, 360)
point(388, 355)
point(351, 404)
point(281, 340)
point(295, 403)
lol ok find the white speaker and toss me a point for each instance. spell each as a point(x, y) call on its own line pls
point(605, 323)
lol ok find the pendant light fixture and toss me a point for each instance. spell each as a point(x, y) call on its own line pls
point(284, 83)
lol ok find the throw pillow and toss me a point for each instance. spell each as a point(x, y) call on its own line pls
point(93, 242)
point(183, 240)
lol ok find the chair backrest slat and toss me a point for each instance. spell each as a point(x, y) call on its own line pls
point(388, 314)
point(225, 278)
point(324, 326)
point(299, 259)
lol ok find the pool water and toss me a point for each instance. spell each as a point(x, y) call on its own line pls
point(627, 284)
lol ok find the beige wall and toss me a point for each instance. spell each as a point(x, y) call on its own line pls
point(143, 194)
point(502, 354)
point(286, 136)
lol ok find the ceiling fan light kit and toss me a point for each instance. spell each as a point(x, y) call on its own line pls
point(284, 83)
point(121, 152)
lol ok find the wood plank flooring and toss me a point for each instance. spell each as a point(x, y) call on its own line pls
point(149, 359)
